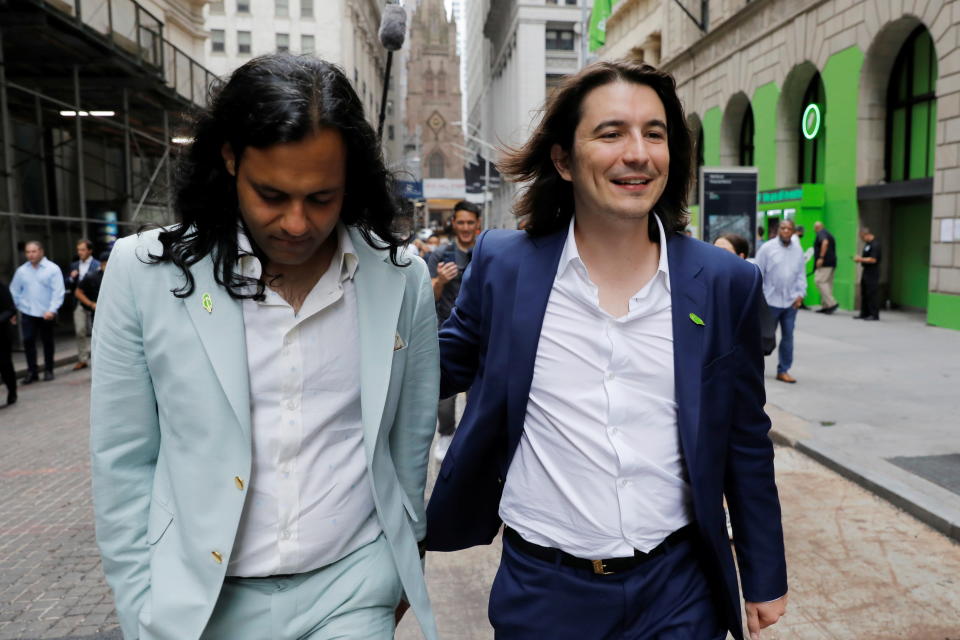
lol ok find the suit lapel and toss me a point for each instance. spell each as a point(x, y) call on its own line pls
point(218, 320)
point(535, 275)
point(379, 289)
point(688, 295)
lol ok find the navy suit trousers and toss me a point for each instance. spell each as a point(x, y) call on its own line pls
point(666, 598)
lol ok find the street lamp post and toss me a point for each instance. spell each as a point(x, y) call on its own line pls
point(486, 169)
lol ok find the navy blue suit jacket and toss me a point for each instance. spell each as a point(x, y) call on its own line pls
point(489, 345)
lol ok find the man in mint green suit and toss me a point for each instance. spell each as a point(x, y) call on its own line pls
point(265, 377)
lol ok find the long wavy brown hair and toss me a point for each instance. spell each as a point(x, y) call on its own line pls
point(547, 200)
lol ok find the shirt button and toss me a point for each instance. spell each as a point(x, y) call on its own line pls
point(285, 534)
point(624, 483)
point(613, 431)
point(610, 375)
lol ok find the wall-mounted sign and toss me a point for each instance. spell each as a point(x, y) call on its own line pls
point(781, 195)
point(728, 202)
point(810, 124)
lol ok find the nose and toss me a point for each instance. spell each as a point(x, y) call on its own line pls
point(294, 221)
point(635, 151)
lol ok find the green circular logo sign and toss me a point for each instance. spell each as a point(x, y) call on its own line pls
point(810, 124)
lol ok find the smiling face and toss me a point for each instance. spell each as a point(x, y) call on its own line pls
point(620, 158)
point(465, 225)
point(291, 195)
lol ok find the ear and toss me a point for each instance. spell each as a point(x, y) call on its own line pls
point(229, 159)
point(561, 161)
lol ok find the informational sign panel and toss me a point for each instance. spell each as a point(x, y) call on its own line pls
point(728, 202)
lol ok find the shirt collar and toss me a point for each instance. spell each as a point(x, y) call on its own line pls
point(570, 256)
point(345, 259)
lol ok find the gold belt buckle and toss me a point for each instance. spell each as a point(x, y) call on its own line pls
point(599, 569)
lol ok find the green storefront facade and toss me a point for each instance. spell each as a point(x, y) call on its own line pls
point(810, 173)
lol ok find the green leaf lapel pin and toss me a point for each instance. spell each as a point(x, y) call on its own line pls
point(207, 302)
point(696, 320)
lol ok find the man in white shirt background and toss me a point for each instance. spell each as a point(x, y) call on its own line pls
point(783, 268)
point(37, 290)
point(616, 389)
point(266, 378)
point(84, 265)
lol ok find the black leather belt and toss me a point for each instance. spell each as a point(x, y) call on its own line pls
point(599, 567)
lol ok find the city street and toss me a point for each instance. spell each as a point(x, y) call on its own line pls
point(859, 567)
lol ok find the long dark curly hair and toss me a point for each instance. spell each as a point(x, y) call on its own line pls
point(547, 200)
point(271, 100)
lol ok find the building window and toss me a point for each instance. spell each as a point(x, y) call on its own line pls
point(746, 138)
point(553, 81)
point(282, 8)
point(243, 6)
point(390, 132)
point(560, 39)
point(218, 41)
point(216, 8)
point(306, 44)
point(243, 42)
point(912, 110)
point(435, 165)
point(573, 2)
point(306, 8)
point(428, 83)
point(283, 42)
point(811, 118)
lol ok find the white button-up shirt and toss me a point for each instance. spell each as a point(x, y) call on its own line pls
point(310, 500)
point(784, 272)
point(599, 471)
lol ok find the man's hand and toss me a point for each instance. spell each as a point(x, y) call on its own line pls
point(49, 315)
point(447, 271)
point(798, 302)
point(761, 615)
point(74, 274)
point(400, 610)
point(819, 262)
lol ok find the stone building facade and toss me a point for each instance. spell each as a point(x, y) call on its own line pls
point(879, 79)
point(433, 104)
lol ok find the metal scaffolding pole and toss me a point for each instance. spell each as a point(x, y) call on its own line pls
point(44, 181)
point(6, 132)
point(168, 153)
point(81, 186)
point(127, 158)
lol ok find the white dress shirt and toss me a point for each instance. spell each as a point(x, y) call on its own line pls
point(784, 272)
point(82, 267)
point(599, 471)
point(310, 501)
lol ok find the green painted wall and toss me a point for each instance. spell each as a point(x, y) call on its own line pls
point(943, 310)
point(711, 137)
point(910, 249)
point(841, 81)
point(765, 134)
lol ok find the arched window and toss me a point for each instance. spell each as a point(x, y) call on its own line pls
point(912, 110)
point(746, 138)
point(442, 82)
point(696, 170)
point(435, 165)
point(813, 111)
point(428, 82)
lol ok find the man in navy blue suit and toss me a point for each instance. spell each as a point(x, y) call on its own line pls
point(616, 389)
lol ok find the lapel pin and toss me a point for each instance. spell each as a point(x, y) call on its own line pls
point(207, 302)
point(696, 320)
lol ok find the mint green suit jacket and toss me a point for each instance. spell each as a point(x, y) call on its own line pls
point(170, 429)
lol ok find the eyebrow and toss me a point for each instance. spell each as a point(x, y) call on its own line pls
point(265, 187)
point(619, 123)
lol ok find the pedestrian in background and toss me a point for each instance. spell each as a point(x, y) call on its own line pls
point(88, 291)
point(825, 253)
point(446, 271)
point(265, 380)
point(83, 266)
point(870, 277)
point(38, 291)
point(8, 319)
point(784, 274)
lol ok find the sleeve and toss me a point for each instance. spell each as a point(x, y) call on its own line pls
point(800, 281)
point(750, 485)
point(432, 261)
point(16, 289)
point(57, 290)
point(7, 309)
point(460, 335)
point(124, 438)
point(416, 417)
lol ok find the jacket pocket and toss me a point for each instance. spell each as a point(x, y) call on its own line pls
point(408, 505)
point(158, 522)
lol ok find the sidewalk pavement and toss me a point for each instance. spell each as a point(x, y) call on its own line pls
point(878, 402)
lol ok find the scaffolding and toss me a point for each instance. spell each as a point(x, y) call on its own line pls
point(91, 98)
